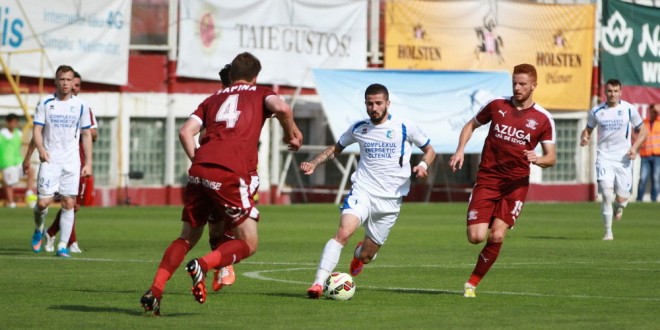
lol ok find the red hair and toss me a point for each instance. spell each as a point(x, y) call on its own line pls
point(527, 69)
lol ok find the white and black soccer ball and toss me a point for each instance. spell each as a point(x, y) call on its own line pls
point(339, 286)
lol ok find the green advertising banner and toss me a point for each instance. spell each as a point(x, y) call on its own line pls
point(630, 43)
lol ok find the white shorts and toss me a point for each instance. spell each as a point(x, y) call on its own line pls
point(63, 177)
point(615, 174)
point(12, 174)
point(376, 214)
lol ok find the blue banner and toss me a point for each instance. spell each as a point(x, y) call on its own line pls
point(440, 102)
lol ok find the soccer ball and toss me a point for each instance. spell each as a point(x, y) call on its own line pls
point(339, 286)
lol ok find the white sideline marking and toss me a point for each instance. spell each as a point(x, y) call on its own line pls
point(258, 275)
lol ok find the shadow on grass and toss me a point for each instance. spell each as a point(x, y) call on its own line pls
point(114, 310)
point(548, 237)
point(395, 290)
point(18, 251)
point(415, 291)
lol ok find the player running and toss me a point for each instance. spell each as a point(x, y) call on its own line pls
point(380, 182)
point(517, 126)
point(219, 178)
point(614, 151)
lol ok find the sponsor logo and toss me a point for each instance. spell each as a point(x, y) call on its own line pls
point(617, 36)
point(510, 133)
point(491, 43)
point(416, 52)
point(559, 39)
point(502, 112)
point(472, 215)
point(204, 182)
point(390, 134)
point(531, 123)
point(419, 32)
point(364, 130)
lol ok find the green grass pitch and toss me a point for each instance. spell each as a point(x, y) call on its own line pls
point(553, 272)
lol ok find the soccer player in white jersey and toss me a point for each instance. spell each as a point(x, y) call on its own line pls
point(614, 150)
point(380, 182)
point(59, 121)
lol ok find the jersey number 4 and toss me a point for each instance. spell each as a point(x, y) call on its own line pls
point(228, 111)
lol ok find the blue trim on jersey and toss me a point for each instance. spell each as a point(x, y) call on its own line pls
point(79, 120)
point(358, 125)
point(599, 109)
point(425, 144)
point(48, 101)
point(345, 205)
point(629, 122)
point(38, 123)
point(404, 136)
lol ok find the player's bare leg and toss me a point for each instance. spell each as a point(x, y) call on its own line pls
point(476, 234)
point(365, 253)
point(619, 204)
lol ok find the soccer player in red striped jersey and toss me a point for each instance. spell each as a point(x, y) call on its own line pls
point(517, 126)
point(220, 175)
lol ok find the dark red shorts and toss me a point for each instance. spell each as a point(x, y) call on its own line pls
point(218, 193)
point(504, 202)
point(85, 191)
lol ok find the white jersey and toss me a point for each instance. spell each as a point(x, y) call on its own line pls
point(62, 122)
point(614, 129)
point(385, 149)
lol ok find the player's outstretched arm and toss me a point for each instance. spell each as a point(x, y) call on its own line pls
point(421, 170)
point(328, 154)
point(292, 135)
point(456, 160)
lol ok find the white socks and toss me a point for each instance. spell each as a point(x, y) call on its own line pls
point(39, 218)
point(606, 208)
point(329, 259)
point(66, 226)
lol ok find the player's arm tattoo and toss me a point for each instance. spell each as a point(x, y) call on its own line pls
point(326, 155)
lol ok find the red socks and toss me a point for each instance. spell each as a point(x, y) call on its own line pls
point(227, 253)
point(486, 259)
point(172, 258)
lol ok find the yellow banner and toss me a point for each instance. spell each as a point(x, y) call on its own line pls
point(497, 35)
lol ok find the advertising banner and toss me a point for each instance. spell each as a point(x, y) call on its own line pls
point(630, 42)
point(290, 37)
point(497, 35)
point(91, 36)
point(440, 102)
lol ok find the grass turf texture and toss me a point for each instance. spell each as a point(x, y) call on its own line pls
point(553, 272)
